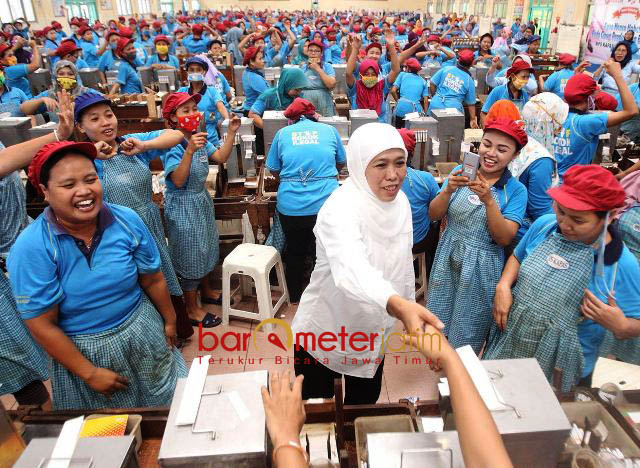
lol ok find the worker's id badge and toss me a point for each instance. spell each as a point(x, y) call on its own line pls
point(474, 199)
point(557, 262)
point(203, 156)
point(636, 227)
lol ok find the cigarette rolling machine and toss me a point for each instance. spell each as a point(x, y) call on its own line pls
point(339, 123)
point(341, 84)
point(360, 117)
point(168, 80)
point(42, 130)
point(272, 122)
point(39, 80)
point(14, 130)
point(242, 161)
point(90, 77)
point(450, 133)
point(425, 129)
point(238, 70)
point(146, 75)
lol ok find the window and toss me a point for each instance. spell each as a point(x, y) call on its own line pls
point(195, 5)
point(124, 7)
point(10, 10)
point(439, 8)
point(144, 7)
point(479, 8)
point(464, 6)
point(450, 4)
point(500, 9)
point(166, 7)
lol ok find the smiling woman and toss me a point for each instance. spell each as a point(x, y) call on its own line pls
point(79, 248)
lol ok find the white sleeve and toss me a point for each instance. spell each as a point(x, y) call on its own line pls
point(340, 236)
point(410, 281)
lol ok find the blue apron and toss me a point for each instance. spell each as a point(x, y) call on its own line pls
point(318, 94)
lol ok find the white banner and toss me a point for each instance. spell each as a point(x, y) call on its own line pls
point(610, 20)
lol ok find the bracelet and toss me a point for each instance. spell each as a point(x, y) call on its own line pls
point(291, 444)
point(55, 133)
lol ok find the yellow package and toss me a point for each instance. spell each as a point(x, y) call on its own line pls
point(104, 427)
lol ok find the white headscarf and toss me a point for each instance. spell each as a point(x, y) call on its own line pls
point(385, 219)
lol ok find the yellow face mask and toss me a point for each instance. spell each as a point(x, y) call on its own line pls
point(66, 83)
point(519, 83)
point(162, 49)
point(12, 60)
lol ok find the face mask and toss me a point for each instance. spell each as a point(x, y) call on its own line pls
point(132, 56)
point(519, 83)
point(190, 123)
point(12, 60)
point(66, 83)
point(370, 81)
point(195, 77)
point(591, 105)
point(162, 49)
point(1, 79)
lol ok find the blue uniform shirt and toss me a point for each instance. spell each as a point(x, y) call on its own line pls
point(171, 60)
point(503, 92)
point(11, 98)
point(305, 154)
point(537, 178)
point(557, 81)
point(619, 264)
point(146, 156)
point(50, 45)
point(335, 54)
point(254, 85)
point(222, 86)
point(454, 87)
point(171, 160)
point(351, 92)
point(93, 293)
point(420, 188)
point(578, 139)
point(208, 107)
point(108, 61)
point(90, 54)
point(195, 46)
point(412, 88)
point(16, 77)
point(128, 78)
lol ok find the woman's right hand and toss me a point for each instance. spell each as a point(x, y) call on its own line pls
point(65, 115)
point(433, 345)
point(197, 141)
point(105, 151)
point(106, 381)
point(455, 181)
point(51, 104)
point(502, 302)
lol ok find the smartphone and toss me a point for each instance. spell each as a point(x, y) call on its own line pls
point(470, 165)
point(202, 126)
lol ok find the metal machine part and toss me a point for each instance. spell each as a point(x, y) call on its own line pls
point(240, 162)
point(414, 450)
point(450, 133)
point(238, 71)
point(425, 129)
point(42, 130)
point(39, 80)
point(146, 75)
point(341, 84)
point(14, 130)
point(272, 121)
point(90, 77)
point(360, 117)
point(168, 80)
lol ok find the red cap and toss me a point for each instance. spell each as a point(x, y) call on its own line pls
point(132, 21)
point(316, 43)
point(298, 108)
point(175, 100)
point(510, 128)
point(376, 30)
point(156, 24)
point(143, 23)
point(306, 28)
point(83, 30)
point(75, 21)
point(566, 59)
point(197, 28)
point(111, 33)
point(465, 57)
point(250, 54)
point(56, 25)
point(401, 29)
point(161, 37)
point(409, 138)
point(413, 65)
point(122, 43)
point(446, 42)
point(47, 29)
point(3, 48)
point(221, 27)
point(578, 88)
point(433, 38)
point(332, 36)
point(605, 101)
point(126, 32)
point(66, 48)
point(374, 45)
point(356, 28)
point(519, 66)
point(48, 150)
point(589, 188)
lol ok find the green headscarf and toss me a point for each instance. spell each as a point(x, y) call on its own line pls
point(278, 98)
point(301, 57)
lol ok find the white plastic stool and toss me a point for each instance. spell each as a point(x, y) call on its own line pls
point(256, 261)
point(421, 280)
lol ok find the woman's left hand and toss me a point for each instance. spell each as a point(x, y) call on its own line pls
point(234, 124)
point(610, 316)
point(132, 146)
point(481, 187)
point(170, 334)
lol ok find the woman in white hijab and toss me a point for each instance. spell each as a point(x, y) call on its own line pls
point(363, 278)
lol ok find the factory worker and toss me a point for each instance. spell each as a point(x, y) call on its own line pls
point(575, 280)
point(253, 82)
point(109, 61)
point(556, 82)
point(126, 180)
point(483, 216)
point(363, 278)
point(71, 52)
point(144, 36)
point(128, 80)
point(621, 53)
point(116, 350)
point(59, 31)
point(322, 79)
point(215, 78)
point(580, 134)
point(409, 90)
point(188, 207)
point(533, 45)
point(306, 156)
point(210, 104)
point(196, 42)
point(496, 75)
point(290, 85)
point(50, 44)
point(629, 215)
point(16, 73)
point(162, 60)
point(10, 98)
point(370, 90)
point(421, 188)
point(484, 54)
point(435, 53)
point(218, 53)
point(334, 51)
point(631, 128)
point(90, 53)
point(518, 76)
point(455, 87)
